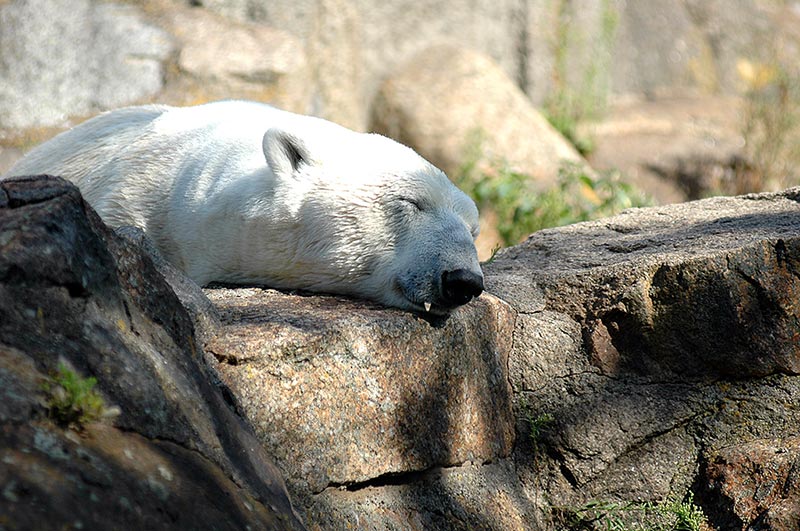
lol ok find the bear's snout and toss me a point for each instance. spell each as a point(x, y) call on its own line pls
point(460, 286)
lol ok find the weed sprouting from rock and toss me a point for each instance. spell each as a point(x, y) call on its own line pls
point(72, 399)
point(537, 423)
point(669, 515)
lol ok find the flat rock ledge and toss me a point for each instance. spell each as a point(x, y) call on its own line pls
point(344, 394)
point(356, 398)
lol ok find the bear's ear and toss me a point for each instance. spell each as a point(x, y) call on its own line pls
point(285, 152)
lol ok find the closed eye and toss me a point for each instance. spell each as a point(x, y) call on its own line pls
point(413, 202)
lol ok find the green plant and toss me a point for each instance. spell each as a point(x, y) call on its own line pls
point(521, 210)
point(770, 127)
point(688, 517)
point(493, 255)
point(72, 399)
point(573, 103)
point(537, 423)
point(669, 515)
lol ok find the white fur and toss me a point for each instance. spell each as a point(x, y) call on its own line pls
point(216, 189)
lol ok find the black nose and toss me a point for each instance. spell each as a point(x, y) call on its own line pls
point(459, 286)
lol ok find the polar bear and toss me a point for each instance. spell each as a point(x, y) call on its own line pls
point(244, 193)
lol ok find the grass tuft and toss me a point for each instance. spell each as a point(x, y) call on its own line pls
point(72, 399)
point(669, 515)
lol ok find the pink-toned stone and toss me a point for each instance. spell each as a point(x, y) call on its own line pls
point(761, 482)
point(341, 391)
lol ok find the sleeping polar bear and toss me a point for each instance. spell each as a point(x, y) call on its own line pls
point(244, 193)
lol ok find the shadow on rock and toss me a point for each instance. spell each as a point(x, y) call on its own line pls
point(73, 293)
point(662, 339)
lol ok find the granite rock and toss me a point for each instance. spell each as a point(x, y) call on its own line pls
point(73, 294)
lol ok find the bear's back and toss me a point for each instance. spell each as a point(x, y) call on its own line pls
point(74, 153)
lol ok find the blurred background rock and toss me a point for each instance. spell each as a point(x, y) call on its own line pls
point(546, 112)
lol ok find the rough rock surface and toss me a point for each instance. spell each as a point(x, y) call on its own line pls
point(639, 357)
point(62, 58)
point(657, 346)
point(672, 283)
point(756, 483)
point(466, 497)
point(177, 456)
point(343, 393)
point(655, 339)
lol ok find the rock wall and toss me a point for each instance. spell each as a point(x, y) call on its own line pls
point(661, 346)
point(640, 48)
point(664, 344)
point(643, 357)
point(675, 72)
point(63, 59)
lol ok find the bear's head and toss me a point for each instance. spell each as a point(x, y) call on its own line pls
point(363, 215)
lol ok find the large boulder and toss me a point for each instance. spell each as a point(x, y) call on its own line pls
point(639, 358)
point(462, 112)
point(75, 295)
point(656, 341)
point(700, 289)
point(448, 102)
point(346, 395)
point(650, 354)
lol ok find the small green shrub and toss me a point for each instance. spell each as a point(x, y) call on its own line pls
point(520, 210)
point(572, 103)
point(538, 424)
point(770, 125)
point(72, 399)
point(670, 515)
